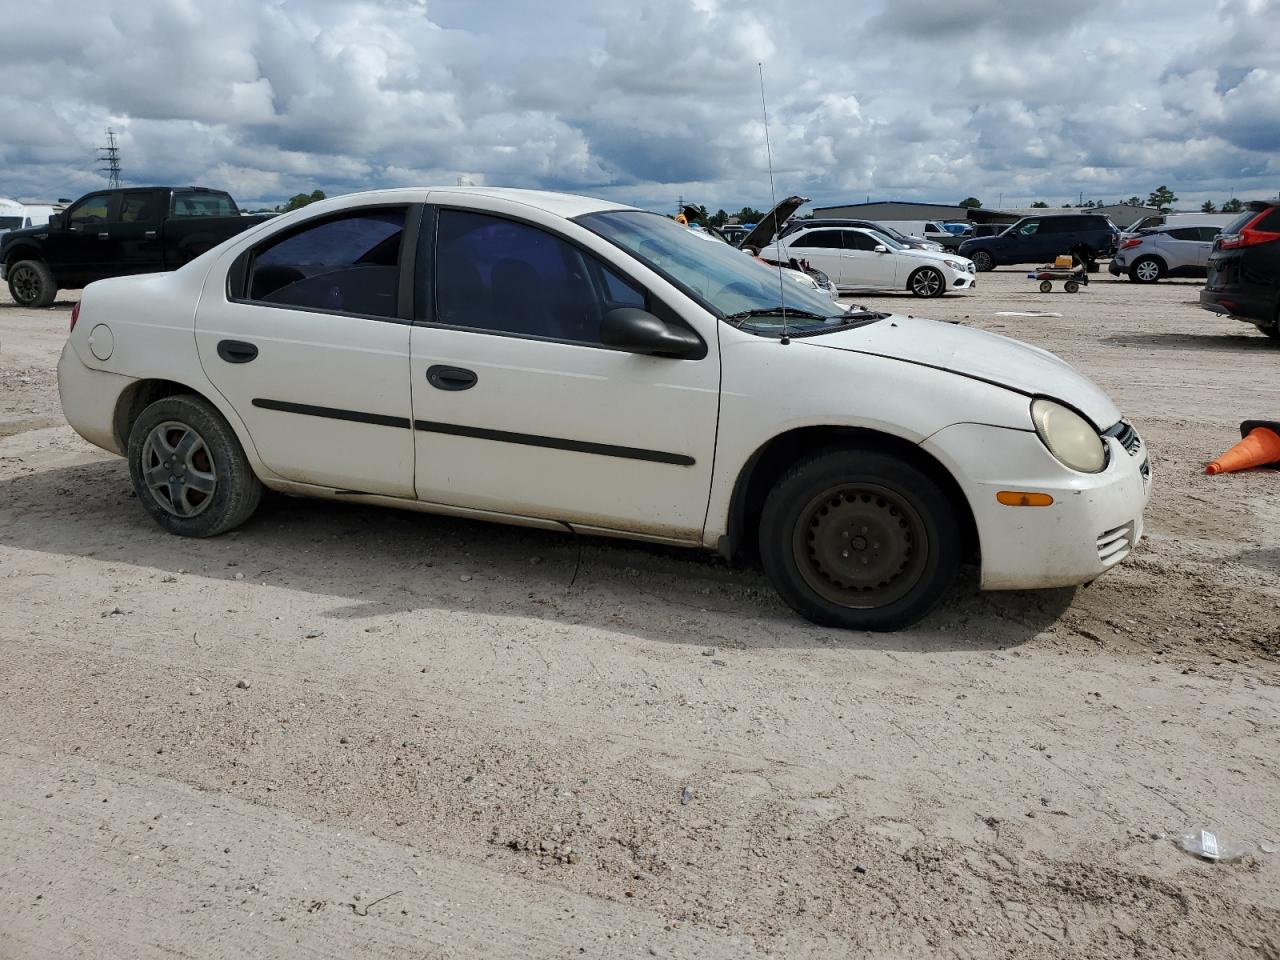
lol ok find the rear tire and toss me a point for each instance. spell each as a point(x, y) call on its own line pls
point(188, 468)
point(1272, 331)
point(31, 284)
point(1146, 270)
point(860, 540)
point(983, 262)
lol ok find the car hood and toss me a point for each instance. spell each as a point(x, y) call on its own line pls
point(764, 231)
point(40, 231)
point(983, 356)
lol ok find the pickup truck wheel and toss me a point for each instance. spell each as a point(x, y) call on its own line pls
point(983, 261)
point(31, 284)
point(927, 282)
point(1146, 270)
point(188, 468)
point(859, 539)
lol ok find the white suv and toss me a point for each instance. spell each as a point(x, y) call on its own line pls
point(582, 366)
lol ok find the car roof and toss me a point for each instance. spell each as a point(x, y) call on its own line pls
point(565, 205)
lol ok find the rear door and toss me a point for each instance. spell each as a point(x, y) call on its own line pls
point(1183, 248)
point(309, 342)
point(137, 230)
point(1028, 244)
point(518, 407)
point(822, 248)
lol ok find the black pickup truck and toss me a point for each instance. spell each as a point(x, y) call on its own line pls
point(112, 233)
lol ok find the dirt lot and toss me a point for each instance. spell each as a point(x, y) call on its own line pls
point(464, 740)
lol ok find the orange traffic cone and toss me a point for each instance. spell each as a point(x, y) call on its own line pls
point(1260, 446)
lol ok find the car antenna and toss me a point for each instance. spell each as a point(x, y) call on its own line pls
point(768, 152)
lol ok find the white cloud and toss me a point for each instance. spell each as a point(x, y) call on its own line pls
point(644, 102)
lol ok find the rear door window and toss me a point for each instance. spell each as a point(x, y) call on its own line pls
point(1209, 234)
point(138, 207)
point(820, 239)
point(1271, 221)
point(346, 264)
point(1186, 233)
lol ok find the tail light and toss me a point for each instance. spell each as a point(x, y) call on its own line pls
point(75, 314)
point(1249, 235)
point(1131, 242)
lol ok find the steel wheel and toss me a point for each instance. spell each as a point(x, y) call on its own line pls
point(178, 469)
point(860, 546)
point(927, 282)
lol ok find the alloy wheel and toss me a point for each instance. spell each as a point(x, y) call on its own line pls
point(926, 283)
point(178, 469)
point(26, 284)
point(1148, 271)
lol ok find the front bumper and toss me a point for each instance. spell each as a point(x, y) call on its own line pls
point(1093, 524)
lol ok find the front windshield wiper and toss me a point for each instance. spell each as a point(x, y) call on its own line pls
point(742, 316)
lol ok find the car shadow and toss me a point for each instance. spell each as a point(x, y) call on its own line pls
point(56, 305)
point(1262, 558)
point(1223, 342)
point(380, 562)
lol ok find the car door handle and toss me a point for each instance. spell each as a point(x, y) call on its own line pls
point(451, 378)
point(236, 351)
point(149, 235)
point(104, 236)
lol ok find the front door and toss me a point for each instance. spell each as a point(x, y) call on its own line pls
point(83, 247)
point(517, 406)
point(312, 349)
point(864, 266)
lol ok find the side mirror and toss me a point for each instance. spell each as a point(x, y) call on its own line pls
point(58, 221)
point(881, 248)
point(639, 331)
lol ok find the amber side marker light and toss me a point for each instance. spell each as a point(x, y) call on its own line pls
point(1017, 498)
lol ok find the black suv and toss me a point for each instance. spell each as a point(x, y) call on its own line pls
point(1244, 269)
point(1087, 236)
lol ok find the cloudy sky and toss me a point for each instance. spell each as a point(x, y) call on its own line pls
point(647, 101)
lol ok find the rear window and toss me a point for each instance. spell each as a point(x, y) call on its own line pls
point(1271, 221)
point(1240, 222)
point(197, 203)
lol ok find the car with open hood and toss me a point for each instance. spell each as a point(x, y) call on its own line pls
point(584, 366)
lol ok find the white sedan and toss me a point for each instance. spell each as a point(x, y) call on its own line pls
point(578, 365)
point(856, 258)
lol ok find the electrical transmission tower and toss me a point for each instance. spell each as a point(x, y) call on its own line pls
point(110, 155)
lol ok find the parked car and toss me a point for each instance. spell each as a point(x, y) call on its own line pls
point(1164, 252)
point(1244, 269)
point(915, 243)
point(111, 233)
point(577, 365)
point(1086, 236)
point(860, 259)
point(928, 230)
point(1178, 220)
point(990, 229)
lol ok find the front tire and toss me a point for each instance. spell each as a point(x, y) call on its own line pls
point(189, 470)
point(927, 282)
point(1272, 331)
point(983, 262)
point(31, 284)
point(1146, 270)
point(860, 540)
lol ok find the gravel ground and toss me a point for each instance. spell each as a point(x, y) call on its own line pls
point(352, 732)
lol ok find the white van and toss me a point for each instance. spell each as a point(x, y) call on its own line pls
point(1182, 220)
point(13, 215)
point(924, 229)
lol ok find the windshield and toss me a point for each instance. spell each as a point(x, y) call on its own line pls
point(10, 223)
point(883, 237)
point(725, 280)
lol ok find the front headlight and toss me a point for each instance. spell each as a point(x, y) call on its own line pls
point(1069, 436)
point(954, 264)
